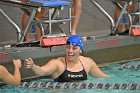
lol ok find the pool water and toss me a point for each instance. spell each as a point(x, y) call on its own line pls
point(127, 72)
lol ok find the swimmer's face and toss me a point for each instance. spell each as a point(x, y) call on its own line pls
point(72, 52)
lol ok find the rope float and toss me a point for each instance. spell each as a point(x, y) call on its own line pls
point(78, 85)
point(129, 66)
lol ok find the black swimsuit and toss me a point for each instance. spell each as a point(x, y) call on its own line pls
point(68, 76)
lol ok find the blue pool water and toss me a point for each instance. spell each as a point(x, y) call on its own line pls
point(127, 72)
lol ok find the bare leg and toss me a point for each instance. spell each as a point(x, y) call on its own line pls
point(76, 12)
point(38, 30)
point(24, 22)
point(116, 15)
point(129, 9)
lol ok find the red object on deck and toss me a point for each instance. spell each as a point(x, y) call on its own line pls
point(54, 41)
point(135, 31)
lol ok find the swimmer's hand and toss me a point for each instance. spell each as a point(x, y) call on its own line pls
point(28, 63)
point(17, 63)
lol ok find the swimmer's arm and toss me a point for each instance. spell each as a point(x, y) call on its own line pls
point(47, 69)
point(96, 72)
point(8, 78)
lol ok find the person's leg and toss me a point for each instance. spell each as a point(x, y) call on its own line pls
point(24, 22)
point(130, 8)
point(38, 34)
point(76, 12)
point(38, 29)
point(116, 15)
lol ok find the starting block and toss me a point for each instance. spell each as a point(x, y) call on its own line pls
point(135, 31)
point(53, 40)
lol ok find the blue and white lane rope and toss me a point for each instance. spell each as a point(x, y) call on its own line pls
point(129, 66)
point(79, 85)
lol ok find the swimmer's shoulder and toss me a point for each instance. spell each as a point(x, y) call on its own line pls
point(87, 59)
point(58, 60)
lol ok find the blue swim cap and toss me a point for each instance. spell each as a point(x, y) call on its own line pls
point(75, 40)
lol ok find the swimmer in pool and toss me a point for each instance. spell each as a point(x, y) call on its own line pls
point(72, 67)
